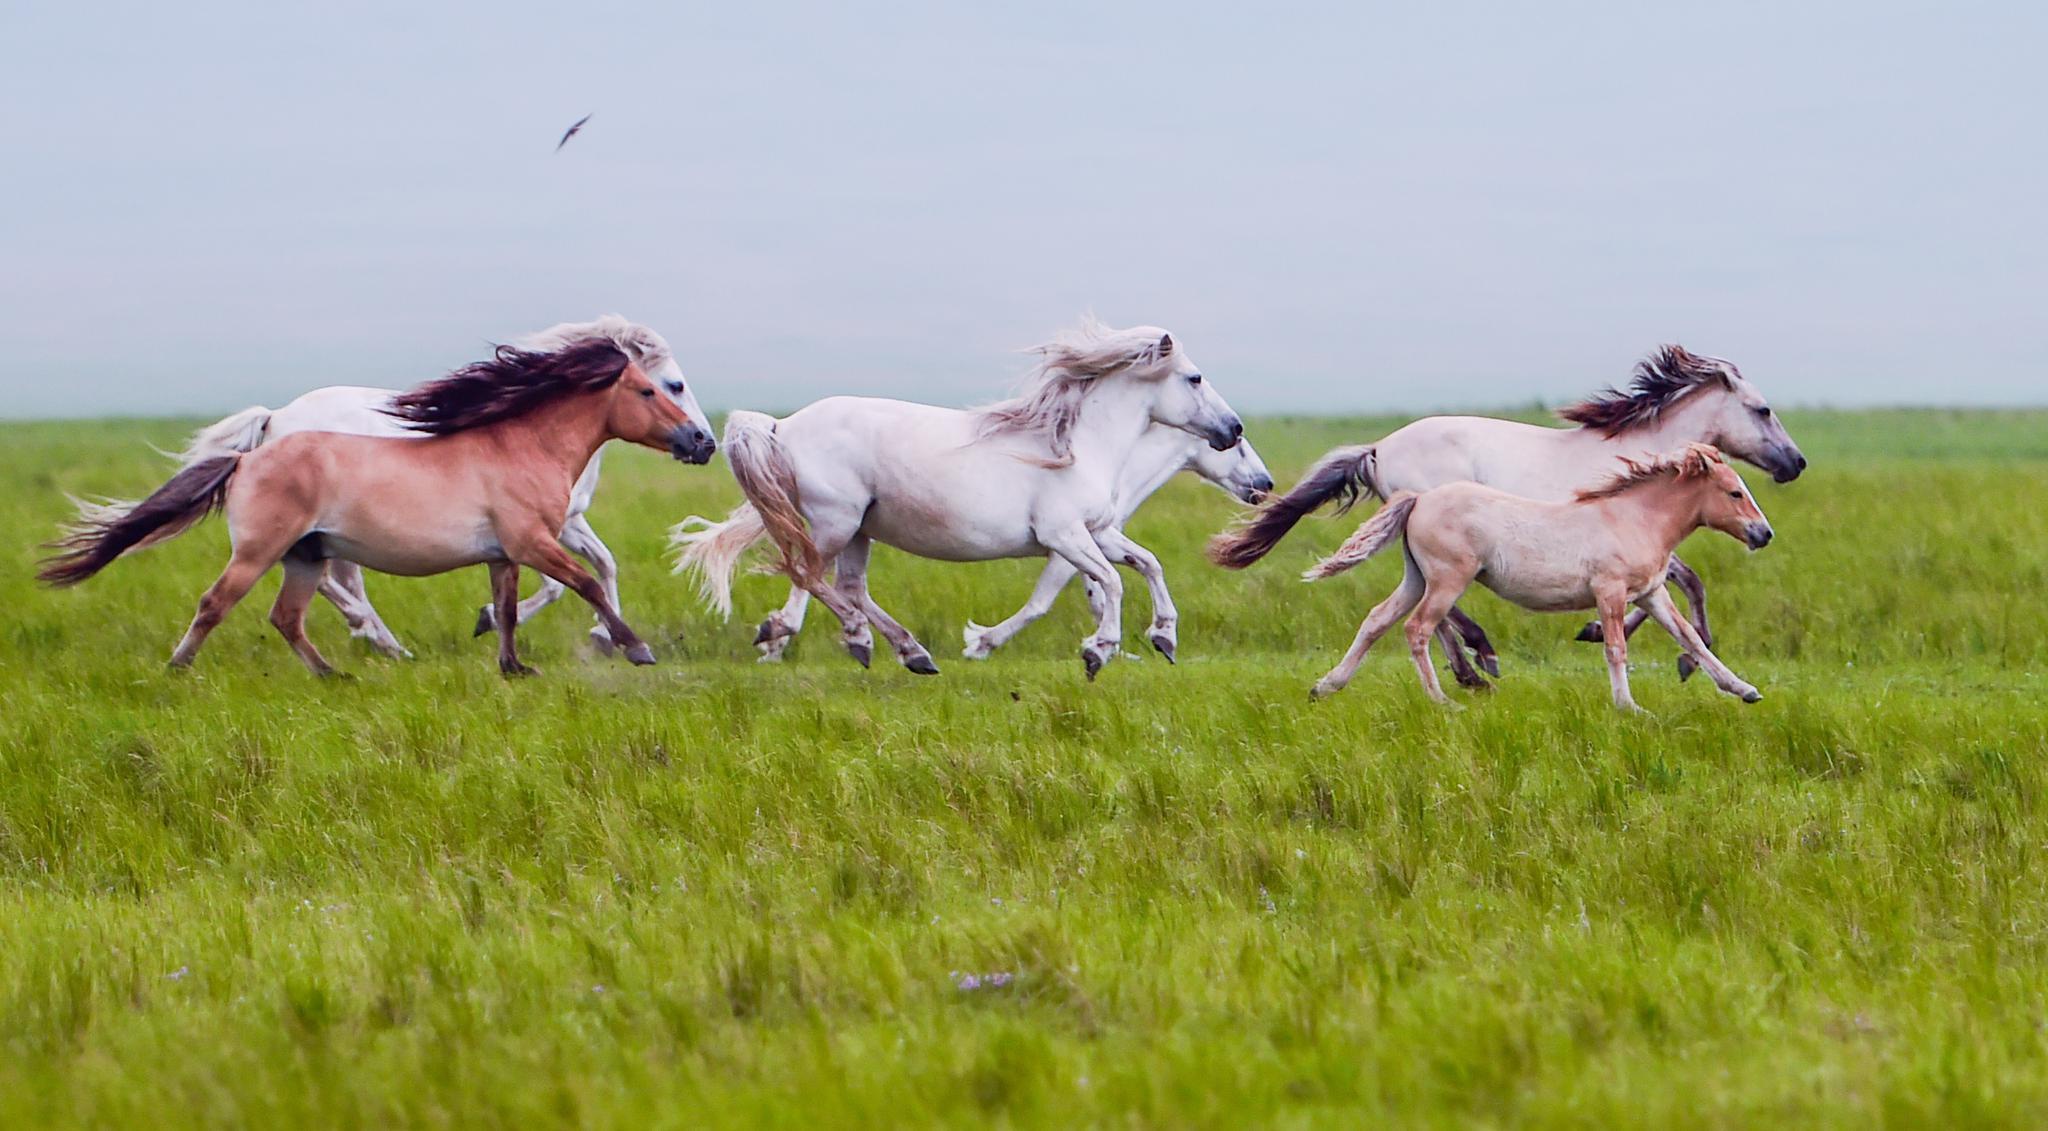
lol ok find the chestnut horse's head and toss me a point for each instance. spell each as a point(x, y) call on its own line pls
point(1727, 505)
point(659, 414)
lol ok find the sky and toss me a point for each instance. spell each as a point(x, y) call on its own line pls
point(1334, 208)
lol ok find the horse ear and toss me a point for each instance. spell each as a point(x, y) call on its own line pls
point(1166, 345)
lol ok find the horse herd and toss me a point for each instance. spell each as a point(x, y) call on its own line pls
point(496, 464)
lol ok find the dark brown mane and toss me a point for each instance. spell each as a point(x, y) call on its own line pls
point(510, 383)
point(1689, 462)
point(1659, 381)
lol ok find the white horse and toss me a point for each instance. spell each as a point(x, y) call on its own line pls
point(1161, 453)
point(1676, 398)
point(362, 411)
point(1037, 475)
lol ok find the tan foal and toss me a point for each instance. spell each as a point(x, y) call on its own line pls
point(490, 485)
point(1605, 550)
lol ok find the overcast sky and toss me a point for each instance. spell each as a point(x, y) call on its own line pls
point(1335, 208)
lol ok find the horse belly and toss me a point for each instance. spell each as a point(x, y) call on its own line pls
point(1540, 587)
point(411, 552)
point(951, 537)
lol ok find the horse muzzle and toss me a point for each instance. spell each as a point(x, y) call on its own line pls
point(1757, 534)
point(1256, 491)
point(1786, 464)
point(692, 444)
point(1224, 436)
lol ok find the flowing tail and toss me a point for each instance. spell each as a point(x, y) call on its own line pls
point(768, 480)
point(105, 531)
point(1374, 535)
point(1344, 474)
point(242, 432)
point(712, 550)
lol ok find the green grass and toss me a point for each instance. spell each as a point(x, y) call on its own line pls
point(716, 892)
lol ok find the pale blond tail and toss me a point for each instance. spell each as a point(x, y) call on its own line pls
point(242, 432)
point(767, 477)
point(1374, 535)
point(712, 550)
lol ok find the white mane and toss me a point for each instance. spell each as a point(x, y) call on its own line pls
point(639, 342)
point(1050, 395)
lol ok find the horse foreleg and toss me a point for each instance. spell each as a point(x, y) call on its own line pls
point(302, 578)
point(1165, 631)
point(981, 641)
point(1077, 544)
point(1383, 616)
point(343, 586)
point(1695, 591)
point(578, 536)
point(1453, 642)
point(1659, 605)
point(538, 550)
point(782, 625)
point(1438, 595)
point(1613, 607)
point(852, 583)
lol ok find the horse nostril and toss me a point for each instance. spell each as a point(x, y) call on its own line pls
point(1802, 462)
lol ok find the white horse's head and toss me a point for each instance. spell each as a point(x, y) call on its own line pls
point(1710, 402)
point(650, 351)
point(1185, 399)
point(1091, 360)
point(1238, 470)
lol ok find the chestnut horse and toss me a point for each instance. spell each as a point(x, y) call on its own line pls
point(1604, 550)
point(507, 439)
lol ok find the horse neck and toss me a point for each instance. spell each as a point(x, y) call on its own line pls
point(1112, 420)
point(566, 432)
point(1667, 506)
point(1687, 422)
point(1160, 454)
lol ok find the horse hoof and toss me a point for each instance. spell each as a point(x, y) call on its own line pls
point(1091, 661)
point(922, 665)
point(1490, 664)
point(1321, 691)
point(1752, 696)
point(484, 622)
point(863, 654)
point(516, 670)
point(765, 633)
point(1591, 634)
point(640, 654)
point(1165, 645)
point(1685, 668)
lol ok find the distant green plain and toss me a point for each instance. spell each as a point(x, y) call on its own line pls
point(720, 893)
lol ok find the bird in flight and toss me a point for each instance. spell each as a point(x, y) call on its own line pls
point(573, 129)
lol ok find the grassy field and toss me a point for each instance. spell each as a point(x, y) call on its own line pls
point(716, 892)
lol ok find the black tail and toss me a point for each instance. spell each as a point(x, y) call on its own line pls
point(105, 533)
point(1345, 474)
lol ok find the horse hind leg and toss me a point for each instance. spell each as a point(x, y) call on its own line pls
point(1383, 616)
point(852, 584)
point(1476, 639)
point(505, 607)
point(782, 625)
point(343, 587)
point(242, 572)
point(302, 577)
point(1437, 599)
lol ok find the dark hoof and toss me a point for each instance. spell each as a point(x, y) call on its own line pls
point(484, 623)
point(1591, 634)
point(1685, 668)
point(640, 654)
point(1490, 663)
point(765, 633)
point(1165, 647)
point(1752, 696)
point(1472, 681)
point(922, 665)
point(1092, 662)
point(863, 654)
point(516, 670)
point(338, 676)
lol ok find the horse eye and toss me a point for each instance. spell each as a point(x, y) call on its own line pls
point(675, 388)
point(1763, 410)
point(647, 392)
point(1734, 494)
point(1194, 378)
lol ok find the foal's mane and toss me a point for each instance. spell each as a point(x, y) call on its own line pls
point(1689, 462)
point(1050, 399)
point(1659, 381)
point(511, 382)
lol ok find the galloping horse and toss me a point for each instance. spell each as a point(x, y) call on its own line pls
point(1032, 476)
point(362, 411)
point(508, 439)
point(1162, 453)
point(1607, 548)
point(1676, 398)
